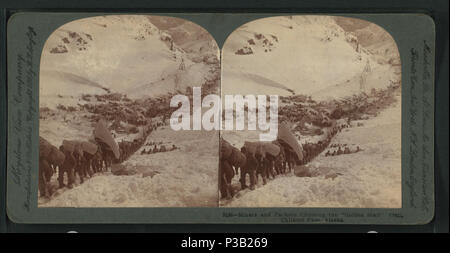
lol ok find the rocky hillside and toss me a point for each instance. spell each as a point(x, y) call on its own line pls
point(197, 43)
point(373, 38)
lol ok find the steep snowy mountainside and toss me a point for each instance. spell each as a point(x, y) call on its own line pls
point(303, 54)
point(115, 53)
point(372, 37)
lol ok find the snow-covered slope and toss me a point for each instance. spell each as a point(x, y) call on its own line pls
point(197, 43)
point(305, 54)
point(116, 53)
point(139, 65)
point(190, 180)
point(372, 37)
point(367, 179)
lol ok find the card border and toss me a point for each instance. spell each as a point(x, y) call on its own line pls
point(115, 215)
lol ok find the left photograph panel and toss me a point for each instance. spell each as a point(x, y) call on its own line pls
point(105, 90)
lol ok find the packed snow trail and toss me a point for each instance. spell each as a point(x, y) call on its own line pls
point(186, 177)
point(370, 178)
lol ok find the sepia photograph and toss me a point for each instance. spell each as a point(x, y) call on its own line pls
point(146, 118)
point(338, 86)
point(306, 112)
point(105, 86)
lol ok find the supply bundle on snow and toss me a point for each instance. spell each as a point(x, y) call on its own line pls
point(73, 146)
point(225, 149)
point(45, 148)
point(56, 157)
point(286, 137)
point(231, 154)
point(89, 147)
point(262, 148)
point(102, 134)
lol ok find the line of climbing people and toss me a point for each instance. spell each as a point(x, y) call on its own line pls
point(311, 150)
point(82, 158)
point(258, 159)
point(255, 159)
point(267, 159)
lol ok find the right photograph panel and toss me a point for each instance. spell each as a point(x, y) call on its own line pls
point(334, 86)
